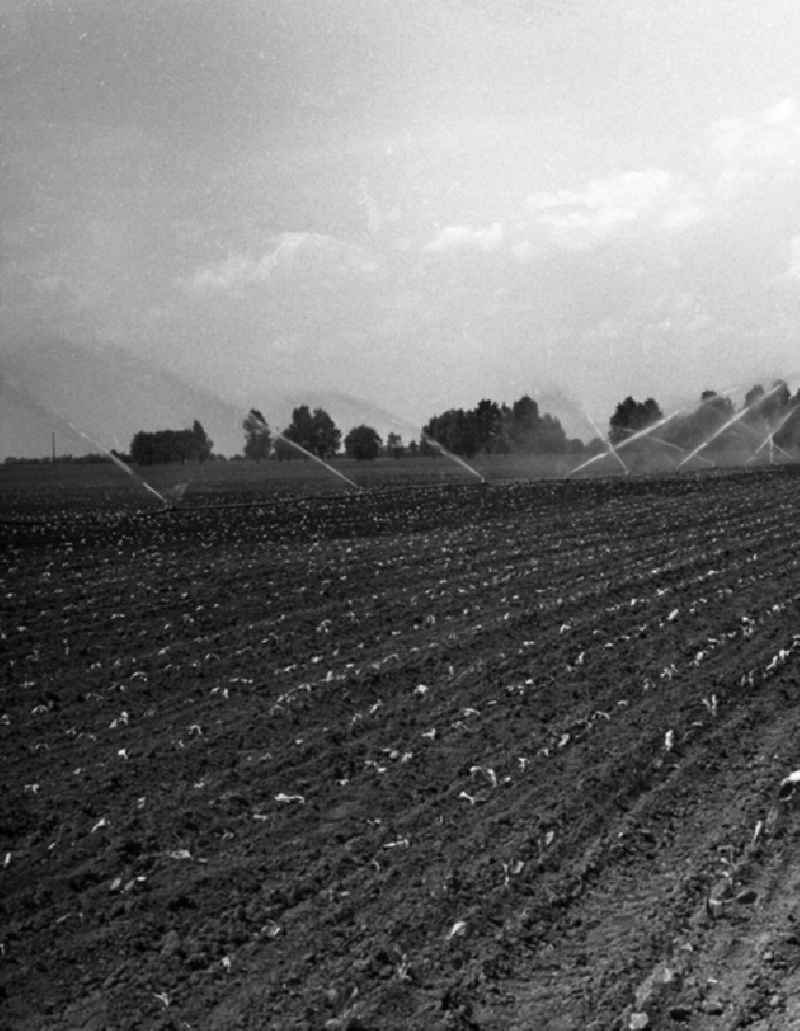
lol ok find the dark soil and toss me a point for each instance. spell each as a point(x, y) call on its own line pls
point(467, 757)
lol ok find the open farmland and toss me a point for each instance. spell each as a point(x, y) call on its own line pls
point(502, 757)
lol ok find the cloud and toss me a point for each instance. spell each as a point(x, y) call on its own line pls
point(465, 238)
point(298, 253)
point(770, 133)
point(582, 219)
point(749, 148)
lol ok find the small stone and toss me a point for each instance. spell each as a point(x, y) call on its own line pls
point(170, 944)
point(775, 1001)
point(638, 1022)
point(680, 1011)
point(747, 897)
point(711, 1006)
point(714, 908)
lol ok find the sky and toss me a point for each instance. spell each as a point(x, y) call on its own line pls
point(416, 202)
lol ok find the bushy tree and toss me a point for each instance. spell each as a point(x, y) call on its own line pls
point(692, 429)
point(161, 446)
point(550, 438)
point(753, 395)
point(765, 408)
point(788, 434)
point(491, 426)
point(202, 444)
point(631, 416)
point(315, 431)
point(257, 435)
point(394, 445)
point(775, 402)
point(525, 423)
point(362, 442)
point(495, 428)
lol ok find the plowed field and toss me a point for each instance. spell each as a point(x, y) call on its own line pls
point(460, 757)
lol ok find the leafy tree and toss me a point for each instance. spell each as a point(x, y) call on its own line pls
point(362, 442)
point(394, 445)
point(551, 438)
point(316, 432)
point(753, 394)
point(632, 416)
point(702, 422)
point(201, 445)
point(775, 402)
point(466, 432)
point(532, 432)
point(257, 435)
point(766, 408)
point(489, 422)
point(495, 428)
point(161, 446)
point(525, 422)
point(788, 435)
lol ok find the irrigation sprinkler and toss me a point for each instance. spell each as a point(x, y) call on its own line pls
point(121, 465)
point(769, 440)
point(637, 435)
point(676, 447)
point(610, 450)
point(657, 440)
point(311, 455)
point(51, 413)
point(728, 423)
point(316, 458)
point(455, 458)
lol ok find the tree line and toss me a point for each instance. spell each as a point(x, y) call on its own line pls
point(489, 428)
point(495, 428)
point(764, 414)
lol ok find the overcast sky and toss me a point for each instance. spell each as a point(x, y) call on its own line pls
point(421, 202)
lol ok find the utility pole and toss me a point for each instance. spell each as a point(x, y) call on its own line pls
point(53, 446)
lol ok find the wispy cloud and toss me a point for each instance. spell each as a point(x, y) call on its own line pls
point(745, 153)
point(583, 219)
point(750, 148)
point(290, 253)
point(466, 238)
point(771, 133)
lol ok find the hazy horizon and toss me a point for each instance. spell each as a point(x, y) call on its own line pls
point(412, 204)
